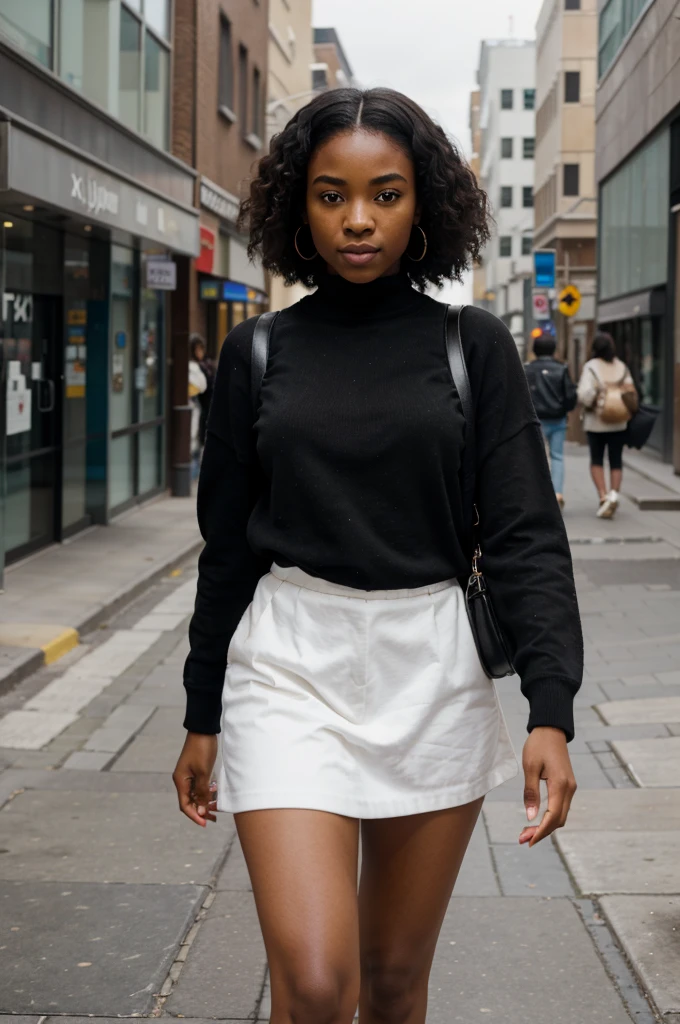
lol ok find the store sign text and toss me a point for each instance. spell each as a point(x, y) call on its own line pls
point(95, 197)
point(22, 307)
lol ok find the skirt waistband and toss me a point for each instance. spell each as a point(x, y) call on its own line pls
point(300, 578)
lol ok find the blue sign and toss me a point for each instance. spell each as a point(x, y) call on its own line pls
point(121, 339)
point(232, 291)
point(544, 268)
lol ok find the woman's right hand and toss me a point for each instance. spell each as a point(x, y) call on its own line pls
point(192, 778)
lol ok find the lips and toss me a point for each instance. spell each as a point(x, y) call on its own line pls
point(359, 255)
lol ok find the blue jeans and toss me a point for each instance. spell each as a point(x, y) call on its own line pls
point(555, 432)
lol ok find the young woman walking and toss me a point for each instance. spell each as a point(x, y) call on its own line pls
point(331, 503)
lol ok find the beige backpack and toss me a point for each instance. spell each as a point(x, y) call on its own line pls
point(616, 401)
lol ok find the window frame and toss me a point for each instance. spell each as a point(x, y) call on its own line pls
point(572, 77)
point(532, 140)
point(571, 168)
point(504, 94)
point(526, 94)
point(506, 192)
point(572, 5)
point(527, 249)
point(225, 74)
point(527, 193)
point(501, 240)
point(504, 140)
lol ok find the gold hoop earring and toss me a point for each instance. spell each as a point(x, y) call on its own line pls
point(305, 258)
point(421, 257)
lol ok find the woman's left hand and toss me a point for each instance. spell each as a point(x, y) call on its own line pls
point(546, 757)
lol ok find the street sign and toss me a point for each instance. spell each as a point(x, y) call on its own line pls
point(541, 306)
point(544, 268)
point(570, 300)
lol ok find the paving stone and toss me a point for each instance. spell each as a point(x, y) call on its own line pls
point(94, 782)
point(531, 872)
point(90, 949)
point(119, 728)
point(225, 969)
point(672, 678)
point(631, 810)
point(647, 928)
point(105, 837)
point(477, 875)
point(87, 761)
point(513, 959)
point(618, 690)
point(651, 762)
point(631, 712)
point(158, 745)
point(31, 730)
point(621, 862)
point(234, 875)
point(587, 736)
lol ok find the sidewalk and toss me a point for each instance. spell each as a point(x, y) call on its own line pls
point(56, 595)
point(116, 906)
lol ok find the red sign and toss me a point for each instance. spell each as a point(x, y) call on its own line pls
point(206, 260)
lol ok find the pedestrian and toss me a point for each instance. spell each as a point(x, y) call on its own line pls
point(331, 505)
point(608, 395)
point(208, 367)
point(553, 393)
point(197, 386)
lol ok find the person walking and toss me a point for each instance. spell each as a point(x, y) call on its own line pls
point(553, 393)
point(198, 385)
point(208, 368)
point(608, 395)
point(330, 641)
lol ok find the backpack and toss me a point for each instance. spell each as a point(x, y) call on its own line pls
point(616, 401)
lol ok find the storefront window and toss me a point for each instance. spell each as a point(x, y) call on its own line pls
point(27, 24)
point(634, 222)
point(156, 91)
point(130, 70)
point(121, 466)
point(74, 431)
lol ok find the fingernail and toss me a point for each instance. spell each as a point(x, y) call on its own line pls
point(201, 811)
point(532, 812)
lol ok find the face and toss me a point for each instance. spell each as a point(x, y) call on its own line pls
point(361, 204)
point(199, 353)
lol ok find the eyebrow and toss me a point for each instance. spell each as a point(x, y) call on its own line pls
point(383, 179)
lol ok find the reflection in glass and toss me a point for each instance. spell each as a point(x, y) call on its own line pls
point(149, 459)
point(129, 72)
point(121, 470)
point(156, 91)
point(157, 15)
point(28, 26)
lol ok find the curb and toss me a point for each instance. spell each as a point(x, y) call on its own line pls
point(36, 659)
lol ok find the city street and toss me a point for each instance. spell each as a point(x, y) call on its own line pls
point(115, 905)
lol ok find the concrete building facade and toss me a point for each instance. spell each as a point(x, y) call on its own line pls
point(478, 270)
point(638, 175)
point(565, 191)
point(506, 79)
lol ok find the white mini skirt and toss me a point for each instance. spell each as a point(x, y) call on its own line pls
point(365, 703)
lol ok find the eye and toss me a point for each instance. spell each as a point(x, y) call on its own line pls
point(388, 196)
point(332, 198)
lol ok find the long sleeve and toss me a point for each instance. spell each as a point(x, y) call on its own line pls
point(525, 552)
point(228, 569)
point(587, 387)
point(570, 396)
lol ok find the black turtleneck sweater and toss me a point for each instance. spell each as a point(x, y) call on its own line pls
point(350, 470)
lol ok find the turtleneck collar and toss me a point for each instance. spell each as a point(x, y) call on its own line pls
point(383, 297)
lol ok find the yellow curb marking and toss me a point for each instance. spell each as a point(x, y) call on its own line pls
point(53, 640)
point(61, 645)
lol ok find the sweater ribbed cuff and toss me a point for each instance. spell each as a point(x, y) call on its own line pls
point(203, 711)
point(551, 704)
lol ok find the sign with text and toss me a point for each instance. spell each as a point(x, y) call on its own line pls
point(545, 265)
point(161, 275)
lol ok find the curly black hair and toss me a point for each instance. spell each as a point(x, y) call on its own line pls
point(454, 209)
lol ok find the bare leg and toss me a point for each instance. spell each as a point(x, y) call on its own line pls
point(303, 866)
point(617, 477)
point(597, 473)
point(409, 867)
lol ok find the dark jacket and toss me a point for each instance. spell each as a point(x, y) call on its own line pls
point(553, 392)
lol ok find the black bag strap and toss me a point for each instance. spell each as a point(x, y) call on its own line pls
point(454, 352)
point(260, 353)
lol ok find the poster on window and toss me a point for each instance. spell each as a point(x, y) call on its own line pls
point(18, 400)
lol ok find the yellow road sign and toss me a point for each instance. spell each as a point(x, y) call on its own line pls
point(570, 300)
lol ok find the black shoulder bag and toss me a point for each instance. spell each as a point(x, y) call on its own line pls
point(491, 646)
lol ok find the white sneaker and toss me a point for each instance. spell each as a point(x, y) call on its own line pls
point(608, 506)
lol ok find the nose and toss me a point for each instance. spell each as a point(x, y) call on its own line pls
point(358, 218)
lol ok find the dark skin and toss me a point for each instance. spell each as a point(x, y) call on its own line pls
point(327, 947)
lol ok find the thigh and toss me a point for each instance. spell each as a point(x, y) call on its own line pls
point(615, 443)
point(557, 438)
point(303, 868)
point(409, 867)
point(597, 442)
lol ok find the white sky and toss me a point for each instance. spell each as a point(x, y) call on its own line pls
point(428, 49)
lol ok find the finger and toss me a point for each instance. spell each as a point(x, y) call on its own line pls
point(555, 814)
point(548, 825)
point(532, 788)
point(527, 834)
point(185, 795)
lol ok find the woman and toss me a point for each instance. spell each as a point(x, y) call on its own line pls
point(354, 700)
point(605, 375)
point(198, 385)
point(208, 368)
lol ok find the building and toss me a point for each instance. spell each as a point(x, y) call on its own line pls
point(478, 271)
point(96, 223)
point(331, 69)
point(638, 175)
point(219, 128)
point(565, 202)
point(506, 78)
point(291, 56)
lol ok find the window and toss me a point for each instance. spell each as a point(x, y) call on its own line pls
point(129, 70)
point(633, 225)
point(257, 104)
point(505, 245)
point(529, 99)
point(527, 245)
point(506, 195)
point(528, 196)
point(506, 99)
point(572, 86)
point(616, 20)
point(28, 26)
point(156, 91)
point(572, 5)
point(528, 148)
point(506, 149)
point(157, 16)
point(570, 179)
point(226, 69)
point(243, 88)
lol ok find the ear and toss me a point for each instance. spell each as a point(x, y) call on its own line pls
point(416, 215)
